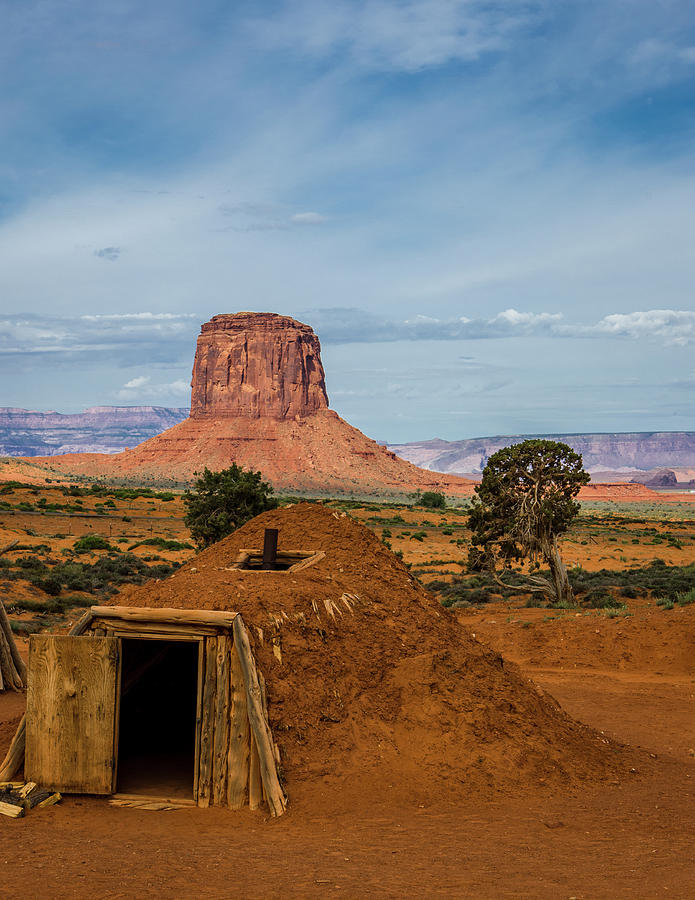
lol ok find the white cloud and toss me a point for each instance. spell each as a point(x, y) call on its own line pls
point(136, 383)
point(526, 321)
point(674, 326)
point(142, 387)
point(142, 316)
point(408, 35)
point(308, 218)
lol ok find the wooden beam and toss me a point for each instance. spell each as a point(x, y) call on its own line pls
point(19, 663)
point(222, 721)
point(14, 759)
point(238, 757)
point(255, 786)
point(156, 632)
point(9, 809)
point(10, 676)
point(153, 798)
point(207, 726)
point(259, 724)
point(217, 618)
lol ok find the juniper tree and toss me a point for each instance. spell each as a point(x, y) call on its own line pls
point(526, 499)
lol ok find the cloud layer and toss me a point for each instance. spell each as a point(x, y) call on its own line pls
point(399, 173)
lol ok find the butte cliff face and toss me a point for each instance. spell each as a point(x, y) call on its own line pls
point(258, 399)
point(257, 365)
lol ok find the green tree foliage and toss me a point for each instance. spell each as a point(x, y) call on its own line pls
point(221, 502)
point(433, 500)
point(524, 501)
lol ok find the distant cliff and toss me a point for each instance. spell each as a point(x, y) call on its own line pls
point(100, 429)
point(601, 452)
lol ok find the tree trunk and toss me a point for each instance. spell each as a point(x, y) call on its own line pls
point(558, 573)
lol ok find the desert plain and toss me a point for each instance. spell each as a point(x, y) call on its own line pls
point(627, 670)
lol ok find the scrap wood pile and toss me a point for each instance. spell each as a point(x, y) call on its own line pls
point(369, 678)
point(13, 671)
point(17, 798)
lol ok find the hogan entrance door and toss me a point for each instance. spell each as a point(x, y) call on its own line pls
point(72, 711)
point(158, 720)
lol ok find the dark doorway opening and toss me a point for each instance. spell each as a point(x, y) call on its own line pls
point(157, 726)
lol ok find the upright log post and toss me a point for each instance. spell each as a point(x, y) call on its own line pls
point(259, 724)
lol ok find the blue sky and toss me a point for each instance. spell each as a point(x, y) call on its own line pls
point(485, 209)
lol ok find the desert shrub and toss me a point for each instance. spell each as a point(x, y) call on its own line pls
point(418, 536)
point(665, 603)
point(50, 585)
point(24, 628)
point(91, 542)
point(686, 597)
point(31, 562)
point(600, 599)
point(432, 500)
point(162, 543)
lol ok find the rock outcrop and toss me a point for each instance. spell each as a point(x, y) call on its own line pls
point(602, 453)
point(100, 429)
point(257, 365)
point(259, 400)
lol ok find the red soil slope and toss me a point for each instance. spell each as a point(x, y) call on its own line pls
point(368, 678)
point(320, 454)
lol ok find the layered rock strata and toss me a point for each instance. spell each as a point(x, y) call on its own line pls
point(257, 365)
point(258, 399)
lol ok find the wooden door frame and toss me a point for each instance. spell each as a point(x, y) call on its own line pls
point(162, 638)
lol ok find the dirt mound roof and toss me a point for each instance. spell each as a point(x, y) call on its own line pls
point(369, 678)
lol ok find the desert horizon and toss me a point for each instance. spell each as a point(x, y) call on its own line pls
point(347, 449)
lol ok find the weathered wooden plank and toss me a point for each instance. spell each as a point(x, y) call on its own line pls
point(14, 758)
point(255, 786)
point(148, 804)
point(49, 801)
point(155, 798)
point(207, 726)
point(218, 618)
point(157, 631)
point(26, 789)
point(259, 724)
point(222, 716)
point(264, 700)
point(11, 678)
point(82, 624)
point(9, 809)
point(239, 750)
point(71, 710)
point(17, 660)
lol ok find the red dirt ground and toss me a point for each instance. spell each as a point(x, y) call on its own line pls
point(399, 832)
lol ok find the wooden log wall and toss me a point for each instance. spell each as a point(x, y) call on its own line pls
point(236, 757)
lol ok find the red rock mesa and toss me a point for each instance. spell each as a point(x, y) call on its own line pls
point(258, 398)
point(257, 365)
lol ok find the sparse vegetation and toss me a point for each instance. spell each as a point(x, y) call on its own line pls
point(526, 499)
point(221, 502)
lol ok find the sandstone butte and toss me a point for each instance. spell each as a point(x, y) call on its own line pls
point(258, 399)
